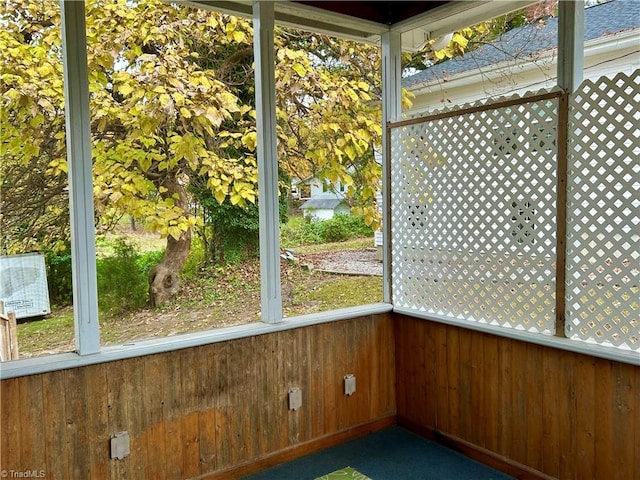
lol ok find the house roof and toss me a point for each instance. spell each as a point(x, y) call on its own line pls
point(322, 203)
point(529, 40)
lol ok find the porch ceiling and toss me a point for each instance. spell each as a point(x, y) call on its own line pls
point(418, 21)
point(385, 12)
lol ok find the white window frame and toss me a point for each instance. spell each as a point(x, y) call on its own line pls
point(87, 332)
point(85, 294)
point(78, 136)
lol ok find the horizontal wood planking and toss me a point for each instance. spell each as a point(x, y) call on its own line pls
point(566, 415)
point(202, 410)
point(224, 405)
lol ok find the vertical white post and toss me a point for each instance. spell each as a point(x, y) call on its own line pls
point(83, 254)
point(570, 72)
point(264, 58)
point(391, 110)
point(570, 44)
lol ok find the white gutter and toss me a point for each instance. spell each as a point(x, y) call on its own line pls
point(628, 39)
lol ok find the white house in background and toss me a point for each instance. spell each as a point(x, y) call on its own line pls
point(524, 59)
point(326, 199)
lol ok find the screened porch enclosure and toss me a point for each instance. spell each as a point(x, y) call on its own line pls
point(510, 326)
point(473, 214)
point(474, 196)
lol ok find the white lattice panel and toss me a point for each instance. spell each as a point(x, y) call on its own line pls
point(473, 216)
point(603, 240)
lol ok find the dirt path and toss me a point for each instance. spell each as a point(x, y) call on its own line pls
point(352, 262)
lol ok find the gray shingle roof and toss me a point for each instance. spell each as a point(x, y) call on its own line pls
point(529, 40)
point(322, 203)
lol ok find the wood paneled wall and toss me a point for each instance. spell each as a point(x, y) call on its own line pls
point(220, 410)
point(198, 411)
point(567, 415)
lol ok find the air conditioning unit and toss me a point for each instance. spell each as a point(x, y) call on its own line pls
point(23, 285)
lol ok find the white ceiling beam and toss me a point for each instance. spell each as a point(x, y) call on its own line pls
point(458, 14)
point(308, 17)
point(238, 8)
point(432, 23)
point(304, 17)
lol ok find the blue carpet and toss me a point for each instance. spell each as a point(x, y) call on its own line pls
point(391, 454)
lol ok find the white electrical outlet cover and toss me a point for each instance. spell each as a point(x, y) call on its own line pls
point(349, 384)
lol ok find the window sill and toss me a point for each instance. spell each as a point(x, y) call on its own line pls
point(61, 361)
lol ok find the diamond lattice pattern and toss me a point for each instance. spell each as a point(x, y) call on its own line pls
point(473, 216)
point(603, 237)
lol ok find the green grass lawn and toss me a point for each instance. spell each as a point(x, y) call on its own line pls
point(212, 299)
point(52, 334)
point(335, 291)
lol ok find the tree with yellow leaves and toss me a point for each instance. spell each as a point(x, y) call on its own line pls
point(171, 100)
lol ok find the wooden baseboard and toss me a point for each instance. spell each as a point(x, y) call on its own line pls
point(482, 455)
point(299, 450)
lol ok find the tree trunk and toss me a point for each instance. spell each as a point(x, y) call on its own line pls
point(164, 280)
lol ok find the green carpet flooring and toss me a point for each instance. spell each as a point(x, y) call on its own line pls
point(391, 454)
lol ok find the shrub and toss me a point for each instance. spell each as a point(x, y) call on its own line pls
point(123, 278)
point(297, 231)
point(342, 227)
point(147, 260)
point(59, 277)
point(196, 259)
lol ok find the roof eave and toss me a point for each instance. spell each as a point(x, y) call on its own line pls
point(616, 41)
